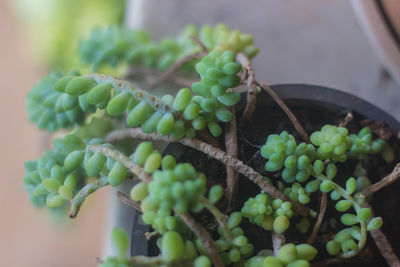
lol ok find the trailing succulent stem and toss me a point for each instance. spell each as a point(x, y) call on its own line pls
point(100, 111)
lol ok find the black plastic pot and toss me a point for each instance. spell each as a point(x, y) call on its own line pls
point(313, 105)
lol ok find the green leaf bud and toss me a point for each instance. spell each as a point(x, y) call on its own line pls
point(375, 224)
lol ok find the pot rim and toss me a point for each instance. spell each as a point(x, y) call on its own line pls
point(334, 98)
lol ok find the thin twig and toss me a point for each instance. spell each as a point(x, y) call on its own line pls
point(231, 146)
point(318, 223)
point(125, 199)
point(221, 218)
point(288, 112)
point(150, 76)
point(205, 136)
point(349, 117)
point(251, 87)
point(205, 238)
point(385, 181)
point(80, 197)
point(199, 43)
point(182, 81)
point(215, 153)
point(278, 240)
point(383, 244)
point(176, 66)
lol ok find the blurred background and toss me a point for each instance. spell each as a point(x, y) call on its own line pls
point(348, 45)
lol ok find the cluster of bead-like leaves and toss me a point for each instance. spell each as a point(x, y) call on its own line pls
point(168, 191)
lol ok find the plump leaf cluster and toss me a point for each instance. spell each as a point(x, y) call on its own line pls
point(289, 255)
point(297, 193)
point(59, 95)
point(47, 181)
point(218, 72)
point(62, 172)
point(238, 249)
point(268, 213)
point(112, 45)
point(221, 38)
point(282, 151)
point(363, 144)
point(346, 239)
point(176, 189)
point(332, 141)
point(50, 109)
point(333, 144)
point(115, 45)
point(168, 191)
point(350, 240)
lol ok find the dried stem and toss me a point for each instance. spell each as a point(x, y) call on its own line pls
point(288, 112)
point(383, 245)
point(205, 238)
point(215, 153)
point(199, 43)
point(182, 81)
point(231, 149)
point(80, 197)
point(150, 76)
point(317, 225)
point(349, 117)
point(128, 201)
point(387, 180)
point(221, 218)
point(251, 86)
point(176, 66)
point(278, 240)
point(206, 137)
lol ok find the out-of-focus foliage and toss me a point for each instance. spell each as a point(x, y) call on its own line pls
point(53, 26)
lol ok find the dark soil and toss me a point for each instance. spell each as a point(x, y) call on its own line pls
point(269, 119)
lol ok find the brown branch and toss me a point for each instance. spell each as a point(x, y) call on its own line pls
point(251, 86)
point(182, 81)
point(278, 240)
point(150, 76)
point(317, 225)
point(80, 197)
point(125, 199)
point(176, 66)
point(385, 181)
point(205, 238)
point(217, 154)
point(231, 147)
point(199, 43)
point(221, 218)
point(205, 136)
point(383, 244)
point(288, 112)
point(349, 117)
